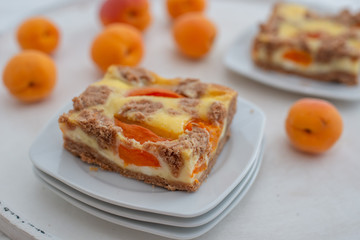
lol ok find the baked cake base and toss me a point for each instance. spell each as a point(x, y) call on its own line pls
point(91, 156)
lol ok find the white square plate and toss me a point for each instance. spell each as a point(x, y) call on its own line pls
point(159, 229)
point(147, 216)
point(239, 153)
point(238, 59)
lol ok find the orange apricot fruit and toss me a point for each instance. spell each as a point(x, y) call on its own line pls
point(313, 125)
point(38, 33)
point(157, 92)
point(194, 34)
point(137, 132)
point(137, 157)
point(177, 8)
point(119, 44)
point(133, 12)
point(299, 57)
point(30, 76)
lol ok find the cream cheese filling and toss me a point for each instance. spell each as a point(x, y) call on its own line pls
point(163, 171)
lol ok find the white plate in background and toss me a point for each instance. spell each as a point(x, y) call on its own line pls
point(238, 59)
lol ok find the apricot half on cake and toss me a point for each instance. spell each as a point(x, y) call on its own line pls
point(118, 44)
point(313, 125)
point(30, 76)
point(165, 132)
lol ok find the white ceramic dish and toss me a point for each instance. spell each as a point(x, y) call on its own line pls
point(159, 229)
point(146, 216)
point(238, 59)
point(239, 153)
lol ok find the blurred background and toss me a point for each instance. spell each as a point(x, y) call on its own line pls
point(12, 12)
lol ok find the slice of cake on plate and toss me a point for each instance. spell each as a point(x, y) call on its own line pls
point(165, 132)
point(297, 40)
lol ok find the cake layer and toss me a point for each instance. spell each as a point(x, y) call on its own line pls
point(92, 156)
point(297, 40)
point(139, 124)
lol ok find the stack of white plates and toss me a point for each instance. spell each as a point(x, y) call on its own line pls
point(140, 206)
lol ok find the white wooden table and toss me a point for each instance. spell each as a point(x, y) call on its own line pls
point(296, 196)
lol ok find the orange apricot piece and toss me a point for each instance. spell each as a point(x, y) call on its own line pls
point(177, 8)
point(298, 56)
point(30, 76)
point(38, 33)
point(137, 157)
point(157, 92)
point(139, 133)
point(194, 34)
point(119, 44)
point(313, 125)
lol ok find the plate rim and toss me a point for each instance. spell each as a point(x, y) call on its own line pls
point(154, 217)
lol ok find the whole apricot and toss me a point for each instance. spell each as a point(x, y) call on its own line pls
point(133, 12)
point(194, 34)
point(119, 44)
point(38, 33)
point(30, 76)
point(313, 125)
point(177, 8)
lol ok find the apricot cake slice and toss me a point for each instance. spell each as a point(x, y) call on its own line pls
point(296, 40)
point(165, 132)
